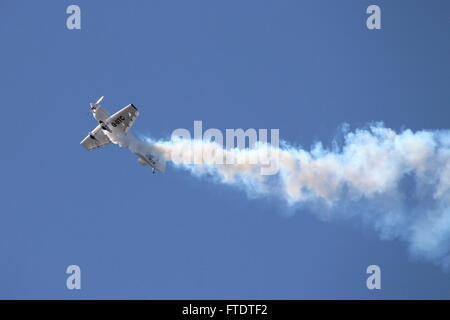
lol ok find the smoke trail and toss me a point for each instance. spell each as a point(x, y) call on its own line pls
point(398, 183)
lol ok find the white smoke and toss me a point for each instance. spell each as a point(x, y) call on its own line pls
point(398, 183)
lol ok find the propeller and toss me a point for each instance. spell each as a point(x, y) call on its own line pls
point(100, 100)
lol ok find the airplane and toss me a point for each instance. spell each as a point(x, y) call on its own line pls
point(114, 129)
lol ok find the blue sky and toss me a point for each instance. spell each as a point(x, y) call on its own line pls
point(305, 67)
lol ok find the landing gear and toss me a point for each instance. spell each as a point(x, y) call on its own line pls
point(104, 126)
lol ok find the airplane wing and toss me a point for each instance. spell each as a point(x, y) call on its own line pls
point(95, 139)
point(124, 118)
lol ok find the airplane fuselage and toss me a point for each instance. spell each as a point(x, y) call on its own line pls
point(109, 126)
point(100, 114)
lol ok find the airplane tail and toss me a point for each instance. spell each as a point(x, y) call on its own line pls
point(160, 164)
point(153, 160)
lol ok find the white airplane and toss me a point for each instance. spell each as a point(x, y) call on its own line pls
point(114, 129)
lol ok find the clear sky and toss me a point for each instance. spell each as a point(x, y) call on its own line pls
point(304, 67)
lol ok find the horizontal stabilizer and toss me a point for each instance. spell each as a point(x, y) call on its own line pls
point(154, 161)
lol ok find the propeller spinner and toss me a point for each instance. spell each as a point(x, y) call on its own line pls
point(94, 105)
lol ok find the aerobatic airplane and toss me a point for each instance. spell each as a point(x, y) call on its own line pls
point(114, 129)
